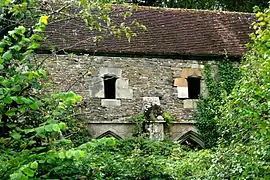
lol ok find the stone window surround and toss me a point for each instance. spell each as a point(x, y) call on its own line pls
point(122, 91)
point(182, 84)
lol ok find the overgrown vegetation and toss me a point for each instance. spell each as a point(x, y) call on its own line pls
point(219, 81)
point(151, 114)
point(33, 124)
point(228, 5)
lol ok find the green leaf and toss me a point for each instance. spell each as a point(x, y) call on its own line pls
point(61, 155)
point(29, 172)
point(49, 128)
point(7, 100)
point(19, 100)
point(7, 55)
point(18, 176)
point(15, 135)
point(62, 126)
point(52, 121)
point(16, 88)
point(28, 130)
point(36, 37)
point(34, 165)
point(16, 47)
point(26, 100)
point(40, 131)
point(34, 45)
point(56, 128)
point(10, 113)
point(34, 106)
point(69, 154)
point(1, 66)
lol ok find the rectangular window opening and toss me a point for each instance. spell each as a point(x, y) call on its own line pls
point(109, 86)
point(194, 86)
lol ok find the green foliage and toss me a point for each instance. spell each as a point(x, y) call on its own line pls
point(140, 121)
point(168, 118)
point(208, 108)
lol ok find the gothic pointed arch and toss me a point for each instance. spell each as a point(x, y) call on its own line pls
point(191, 139)
point(109, 134)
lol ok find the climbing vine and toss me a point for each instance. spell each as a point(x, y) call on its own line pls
point(219, 83)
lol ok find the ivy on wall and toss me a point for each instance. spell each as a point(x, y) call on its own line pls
point(219, 82)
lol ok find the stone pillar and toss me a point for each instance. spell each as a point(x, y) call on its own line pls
point(156, 130)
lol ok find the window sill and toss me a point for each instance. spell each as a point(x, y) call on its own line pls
point(110, 102)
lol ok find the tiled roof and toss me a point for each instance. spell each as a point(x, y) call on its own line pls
point(170, 31)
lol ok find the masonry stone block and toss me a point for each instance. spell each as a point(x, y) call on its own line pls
point(97, 87)
point(188, 103)
point(189, 72)
point(156, 131)
point(110, 102)
point(110, 71)
point(194, 66)
point(122, 83)
point(197, 73)
point(151, 100)
point(182, 92)
point(181, 82)
point(124, 93)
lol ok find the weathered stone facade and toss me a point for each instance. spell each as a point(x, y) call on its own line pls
point(137, 79)
point(119, 84)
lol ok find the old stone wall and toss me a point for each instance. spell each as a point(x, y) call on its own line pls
point(145, 77)
point(137, 78)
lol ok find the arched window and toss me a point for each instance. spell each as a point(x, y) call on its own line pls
point(191, 139)
point(109, 134)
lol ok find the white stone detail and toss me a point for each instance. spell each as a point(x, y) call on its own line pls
point(97, 88)
point(188, 104)
point(195, 66)
point(110, 102)
point(122, 83)
point(152, 100)
point(124, 93)
point(110, 71)
point(182, 92)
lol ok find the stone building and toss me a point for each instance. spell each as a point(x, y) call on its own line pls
point(163, 66)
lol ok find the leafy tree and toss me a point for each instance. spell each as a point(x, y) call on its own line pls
point(229, 5)
point(33, 126)
point(242, 5)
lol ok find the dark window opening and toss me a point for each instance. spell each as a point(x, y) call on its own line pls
point(109, 86)
point(194, 86)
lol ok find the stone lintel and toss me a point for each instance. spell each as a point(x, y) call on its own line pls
point(110, 71)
